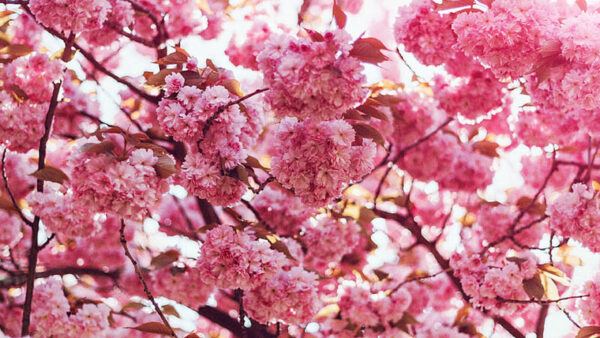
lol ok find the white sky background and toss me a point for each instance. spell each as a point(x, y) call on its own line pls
point(133, 64)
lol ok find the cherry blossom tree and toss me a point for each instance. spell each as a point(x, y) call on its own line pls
point(364, 169)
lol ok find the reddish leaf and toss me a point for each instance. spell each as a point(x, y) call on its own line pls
point(192, 335)
point(18, 93)
point(368, 50)
point(16, 51)
point(534, 287)
point(51, 174)
point(314, 35)
point(486, 148)
point(211, 65)
point(158, 79)
point(164, 259)
point(366, 131)
point(582, 4)
point(233, 86)
point(370, 110)
point(153, 327)
point(176, 58)
point(182, 51)
point(454, 4)
point(255, 163)
point(170, 310)
point(589, 332)
point(165, 166)
point(353, 114)
point(339, 15)
point(102, 147)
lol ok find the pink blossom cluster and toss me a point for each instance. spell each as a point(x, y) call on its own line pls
point(31, 77)
point(204, 178)
point(181, 18)
point(21, 124)
point(232, 260)
point(315, 79)
point(318, 159)
point(487, 282)
point(359, 306)
point(428, 35)
point(540, 127)
point(494, 222)
point(61, 212)
point(290, 297)
point(10, 229)
point(508, 36)
point(588, 306)
point(52, 315)
point(125, 187)
point(470, 96)
point(71, 16)
point(285, 213)
point(245, 54)
point(576, 215)
point(329, 240)
point(25, 31)
point(229, 135)
point(415, 114)
point(101, 250)
point(174, 283)
point(120, 15)
point(450, 163)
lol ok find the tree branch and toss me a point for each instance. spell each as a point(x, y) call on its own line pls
point(35, 227)
point(141, 278)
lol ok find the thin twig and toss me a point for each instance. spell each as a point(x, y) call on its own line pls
point(222, 108)
point(141, 278)
point(10, 193)
point(537, 301)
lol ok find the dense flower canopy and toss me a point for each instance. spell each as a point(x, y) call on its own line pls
point(305, 168)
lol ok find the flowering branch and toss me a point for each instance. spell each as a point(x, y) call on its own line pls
point(141, 278)
point(224, 107)
point(402, 152)
point(411, 225)
point(35, 227)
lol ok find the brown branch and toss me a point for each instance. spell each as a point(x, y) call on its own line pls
point(20, 279)
point(541, 321)
point(208, 212)
point(35, 227)
point(95, 63)
point(537, 301)
point(141, 278)
point(10, 193)
point(114, 26)
point(411, 225)
point(402, 152)
point(222, 108)
point(419, 279)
